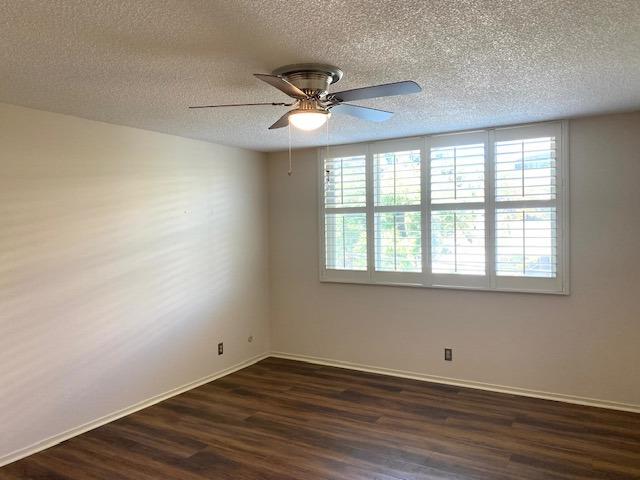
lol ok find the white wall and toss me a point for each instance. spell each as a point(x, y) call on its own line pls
point(586, 344)
point(125, 256)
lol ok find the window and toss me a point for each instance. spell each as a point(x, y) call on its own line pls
point(396, 208)
point(483, 210)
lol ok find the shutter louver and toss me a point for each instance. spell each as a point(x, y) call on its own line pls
point(398, 242)
point(346, 241)
point(526, 242)
point(345, 184)
point(457, 174)
point(526, 169)
point(457, 242)
point(397, 178)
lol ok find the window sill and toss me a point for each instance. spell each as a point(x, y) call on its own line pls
point(344, 279)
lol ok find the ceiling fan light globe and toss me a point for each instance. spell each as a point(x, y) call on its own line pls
point(309, 120)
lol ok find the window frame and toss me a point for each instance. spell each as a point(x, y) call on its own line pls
point(426, 279)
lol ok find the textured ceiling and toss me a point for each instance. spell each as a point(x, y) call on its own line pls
point(480, 62)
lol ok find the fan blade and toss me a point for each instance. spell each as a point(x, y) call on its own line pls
point(283, 121)
point(365, 113)
point(243, 105)
point(386, 90)
point(282, 85)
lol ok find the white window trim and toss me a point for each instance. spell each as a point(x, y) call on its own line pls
point(489, 282)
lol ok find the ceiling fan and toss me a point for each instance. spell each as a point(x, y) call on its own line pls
point(308, 83)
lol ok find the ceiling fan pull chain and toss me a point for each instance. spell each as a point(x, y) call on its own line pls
point(328, 118)
point(290, 172)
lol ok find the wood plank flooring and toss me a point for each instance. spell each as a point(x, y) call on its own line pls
point(288, 420)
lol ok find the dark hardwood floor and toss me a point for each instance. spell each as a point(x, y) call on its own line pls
point(288, 420)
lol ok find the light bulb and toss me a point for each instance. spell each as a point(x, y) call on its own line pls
point(308, 120)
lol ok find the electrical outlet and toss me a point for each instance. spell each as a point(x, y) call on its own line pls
point(220, 348)
point(448, 354)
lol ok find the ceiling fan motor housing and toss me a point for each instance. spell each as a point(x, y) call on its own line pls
point(313, 79)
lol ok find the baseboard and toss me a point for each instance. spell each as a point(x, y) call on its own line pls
point(61, 437)
point(559, 397)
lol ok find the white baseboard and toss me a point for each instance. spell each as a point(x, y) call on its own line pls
point(61, 437)
point(55, 439)
point(559, 397)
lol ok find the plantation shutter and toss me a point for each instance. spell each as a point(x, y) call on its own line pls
point(527, 214)
point(483, 210)
point(397, 216)
point(345, 215)
point(457, 180)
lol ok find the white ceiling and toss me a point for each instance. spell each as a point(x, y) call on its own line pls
point(480, 62)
